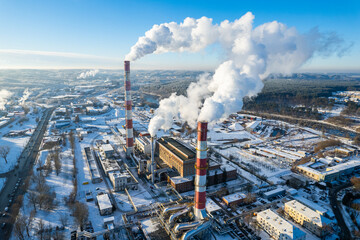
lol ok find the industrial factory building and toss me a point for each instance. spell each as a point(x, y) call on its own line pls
point(122, 180)
point(307, 217)
point(143, 144)
point(108, 165)
point(215, 174)
point(177, 155)
point(277, 227)
point(107, 150)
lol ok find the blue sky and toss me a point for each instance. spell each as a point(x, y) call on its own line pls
point(99, 33)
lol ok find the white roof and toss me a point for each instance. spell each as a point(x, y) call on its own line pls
point(236, 127)
point(109, 219)
point(275, 191)
point(118, 174)
point(343, 166)
point(180, 179)
point(104, 201)
point(234, 197)
point(314, 216)
point(107, 147)
point(211, 206)
point(281, 224)
point(311, 204)
point(252, 125)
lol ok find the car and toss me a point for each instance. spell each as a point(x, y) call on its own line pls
point(3, 225)
point(6, 209)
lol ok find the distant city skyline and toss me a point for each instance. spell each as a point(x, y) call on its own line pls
point(98, 34)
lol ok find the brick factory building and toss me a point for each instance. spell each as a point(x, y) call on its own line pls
point(177, 155)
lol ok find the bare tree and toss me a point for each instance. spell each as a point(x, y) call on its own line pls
point(33, 198)
point(250, 198)
point(40, 229)
point(64, 218)
point(20, 227)
point(81, 213)
point(4, 152)
point(57, 161)
point(58, 235)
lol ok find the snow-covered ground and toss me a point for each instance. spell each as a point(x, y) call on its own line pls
point(2, 182)
point(17, 144)
point(335, 111)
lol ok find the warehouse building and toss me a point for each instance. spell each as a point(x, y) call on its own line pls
point(274, 193)
point(104, 203)
point(234, 199)
point(277, 227)
point(92, 166)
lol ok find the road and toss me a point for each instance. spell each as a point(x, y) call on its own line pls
point(345, 232)
point(284, 118)
point(25, 162)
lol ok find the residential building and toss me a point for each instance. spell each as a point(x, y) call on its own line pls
point(307, 217)
point(329, 173)
point(277, 227)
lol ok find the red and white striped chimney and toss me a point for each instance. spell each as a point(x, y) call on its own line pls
point(201, 167)
point(128, 110)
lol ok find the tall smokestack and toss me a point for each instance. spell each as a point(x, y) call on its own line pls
point(128, 108)
point(152, 160)
point(201, 167)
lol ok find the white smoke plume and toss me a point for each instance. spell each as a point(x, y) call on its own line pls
point(250, 55)
point(4, 96)
point(25, 96)
point(87, 74)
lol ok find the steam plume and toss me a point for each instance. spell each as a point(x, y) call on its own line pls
point(91, 73)
point(250, 55)
point(4, 95)
point(25, 96)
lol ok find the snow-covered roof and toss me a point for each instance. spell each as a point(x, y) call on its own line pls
point(281, 224)
point(275, 191)
point(211, 206)
point(234, 197)
point(179, 179)
point(107, 147)
point(311, 204)
point(104, 201)
point(314, 216)
point(236, 127)
point(252, 125)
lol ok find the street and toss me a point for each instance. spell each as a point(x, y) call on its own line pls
point(345, 232)
point(19, 174)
